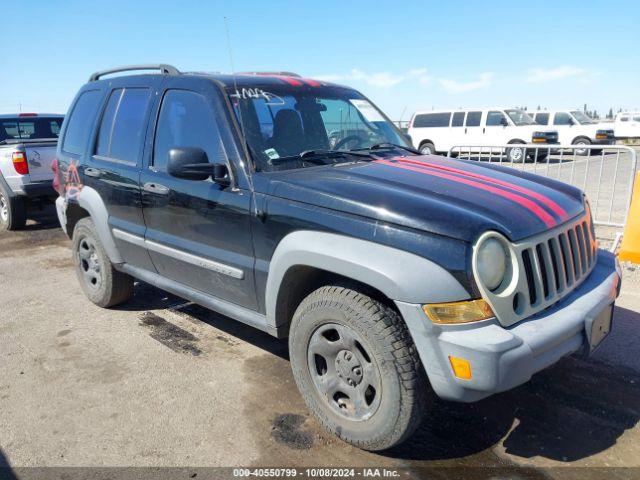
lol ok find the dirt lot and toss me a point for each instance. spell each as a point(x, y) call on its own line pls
point(160, 382)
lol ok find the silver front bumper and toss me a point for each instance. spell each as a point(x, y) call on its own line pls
point(503, 358)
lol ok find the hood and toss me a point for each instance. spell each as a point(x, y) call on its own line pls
point(456, 198)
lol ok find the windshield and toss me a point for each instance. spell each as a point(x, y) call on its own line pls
point(582, 118)
point(520, 117)
point(282, 122)
point(29, 128)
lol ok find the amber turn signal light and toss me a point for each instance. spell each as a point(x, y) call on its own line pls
point(458, 312)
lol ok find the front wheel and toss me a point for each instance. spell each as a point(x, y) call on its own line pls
point(582, 142)
point(101, 283)
point(427, 148)
point(357, 368)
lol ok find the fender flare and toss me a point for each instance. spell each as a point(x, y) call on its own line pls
point(90, 200)
point(5, 186)
point(400, 275)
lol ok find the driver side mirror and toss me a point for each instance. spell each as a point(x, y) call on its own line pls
point(192, 163)
point(189, 163)
point(504, 122)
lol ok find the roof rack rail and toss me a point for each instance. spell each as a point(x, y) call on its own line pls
point(284, 74)
point(164, 68)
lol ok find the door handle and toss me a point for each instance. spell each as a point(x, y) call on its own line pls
point(93, 172)
point(156, 188)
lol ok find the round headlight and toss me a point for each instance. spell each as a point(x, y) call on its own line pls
point(491, 263)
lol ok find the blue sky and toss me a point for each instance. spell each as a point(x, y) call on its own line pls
point(405, 55)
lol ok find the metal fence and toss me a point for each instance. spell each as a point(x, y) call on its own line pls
point(605, 173)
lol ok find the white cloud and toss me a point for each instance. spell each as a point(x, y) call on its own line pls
point(454, 86)
point(378, 79)
point(537, 75)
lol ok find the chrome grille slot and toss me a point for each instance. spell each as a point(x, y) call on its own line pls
point(547, 267)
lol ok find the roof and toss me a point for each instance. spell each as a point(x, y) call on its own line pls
point(241, 79)
point(266, 79)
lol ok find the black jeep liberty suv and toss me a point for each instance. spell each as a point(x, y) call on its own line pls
point(296, 207)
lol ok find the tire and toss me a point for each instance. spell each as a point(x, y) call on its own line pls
point(365, 349)
point(101, 283)
point(516, 154)
point(581, 141)
point(538, 156)
point(427, 148)
point(13, 212)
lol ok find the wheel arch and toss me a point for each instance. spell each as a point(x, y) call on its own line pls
point(426, 140)
point(581, 137)
point(306, 260)
point(90, 204)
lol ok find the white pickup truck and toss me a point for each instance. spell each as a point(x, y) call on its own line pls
point(27, 147)
point(627, 125)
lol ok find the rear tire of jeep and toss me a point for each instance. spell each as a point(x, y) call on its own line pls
point(101, 283)
point(13, 212)
point(357, 368)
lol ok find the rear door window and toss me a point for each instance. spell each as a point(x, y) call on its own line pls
point(473, 119)
point(80, 122)
point(123, 125)
point(186, 120)
point(431, 120)
point(458, 119)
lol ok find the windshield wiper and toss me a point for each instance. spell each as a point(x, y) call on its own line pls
point(318, 156)
point(388, 145)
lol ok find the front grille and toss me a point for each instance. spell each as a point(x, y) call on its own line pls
point(545, 268)
point(556, 264)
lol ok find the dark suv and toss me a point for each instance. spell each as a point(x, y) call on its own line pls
point(296, 207)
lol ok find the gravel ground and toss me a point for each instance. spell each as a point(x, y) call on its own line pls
point(161, 382)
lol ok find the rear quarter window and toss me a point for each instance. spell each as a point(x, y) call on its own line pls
point(80, 122)
point(431, 120)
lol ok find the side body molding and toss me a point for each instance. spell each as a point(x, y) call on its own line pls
point(400, 275)
point(90, 200)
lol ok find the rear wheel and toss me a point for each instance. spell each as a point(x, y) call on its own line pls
point(101, 283)
point(357, 368)
point(13, 214)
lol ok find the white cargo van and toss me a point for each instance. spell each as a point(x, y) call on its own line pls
point(576, 128)
point(438, 131)
point(627, 125)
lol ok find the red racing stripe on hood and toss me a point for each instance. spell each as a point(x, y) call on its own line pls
point(520, 200)
point(553, 206)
